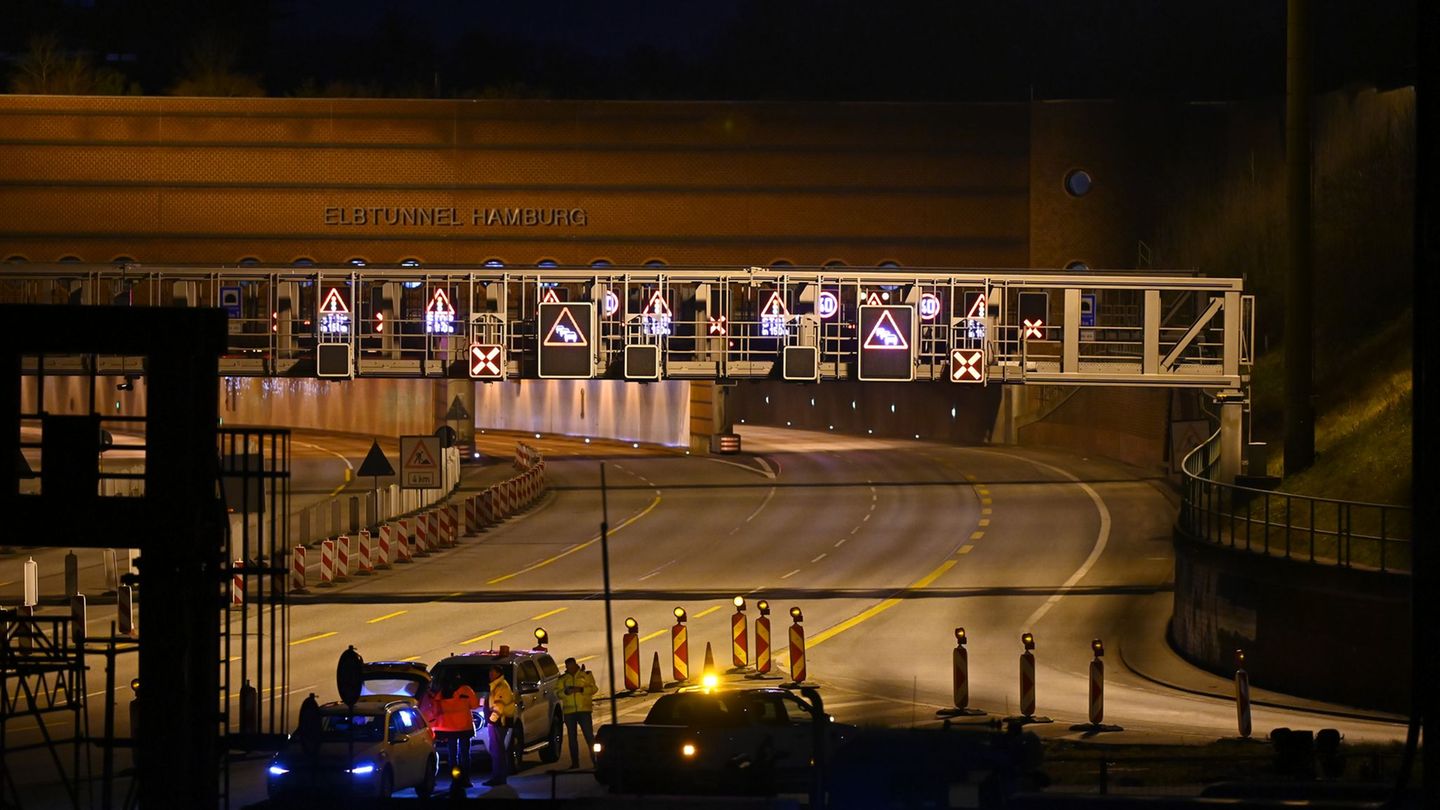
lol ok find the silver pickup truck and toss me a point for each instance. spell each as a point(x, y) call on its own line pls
point(725, 741)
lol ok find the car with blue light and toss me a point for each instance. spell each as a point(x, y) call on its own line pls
point(380, 746)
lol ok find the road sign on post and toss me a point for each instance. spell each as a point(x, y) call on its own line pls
point(566, 346)
point(421, 463)
point(230, 301)
point(887, 343)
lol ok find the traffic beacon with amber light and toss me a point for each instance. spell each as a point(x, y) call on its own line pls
point(630, 645)
point(960, 675)
point(763, 662)
point(679, 648)
point(1027, 684)
point(797, 648)
point(739, 636)
point(542, 639)
point(1097, 692)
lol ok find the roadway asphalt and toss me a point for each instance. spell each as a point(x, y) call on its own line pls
point(886, 545)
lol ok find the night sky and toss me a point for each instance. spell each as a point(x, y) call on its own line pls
point(937, 50)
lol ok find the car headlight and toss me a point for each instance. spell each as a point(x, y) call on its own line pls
point(363, 769)
point(278, 770)
point(687, 750)
point(596, 748)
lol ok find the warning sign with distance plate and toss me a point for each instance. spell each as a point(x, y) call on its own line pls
point(421, 463)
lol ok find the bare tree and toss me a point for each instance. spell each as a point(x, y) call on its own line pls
point(47, 68)
point(210, 71)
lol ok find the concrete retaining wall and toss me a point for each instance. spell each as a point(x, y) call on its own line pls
point(657, 413)
point(936, 411)
point(1320, 632)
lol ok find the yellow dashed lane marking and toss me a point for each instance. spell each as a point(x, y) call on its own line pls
point(578, 546)
point(547, 614)
point(379, 619)
point(655, 634)
point(481, 637)
point(411, 658)
point(707, 611)
point(317, 637)
point(871, 613)
point(584, 659)
point(985, 511)
point(965, 549)
point(984, 522)
point(986, 501)
point(976, 535)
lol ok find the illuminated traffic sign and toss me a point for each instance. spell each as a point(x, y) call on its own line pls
point(612, 303)
point(967, 365)
point(887, 341)
point(827, 305)
point(718, 326)
point(929, 306)
point(565, 331)
point(440, 314)
point(773, 316)
point(1034, 310)
point(549, 296)
point(334, 314)
point(487, 361)
point(655, 320)
point(873, 299)
point(975, 315)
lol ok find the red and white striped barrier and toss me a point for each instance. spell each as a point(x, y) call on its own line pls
point(421, 535)
point(452, 523)
point(297, 570)
point(382, 545)
point(237, 585)
point(472, 515)
point(342, 558)
point(400, 535)
point(798, 671)
point(1027, 684)
point(525, 456)
point(327, 562)
point(365, 566)
point(489, 514)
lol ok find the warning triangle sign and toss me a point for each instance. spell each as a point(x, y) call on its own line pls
point(420, 457)
point(886, 334)
point(775, 306)
point(440, 302)
point(873, 300)
point(977, 309)
point(657, 306)
point(375, 462)
point(334, 303)
point(457, 410)
point(566, 331)
point(549, 297)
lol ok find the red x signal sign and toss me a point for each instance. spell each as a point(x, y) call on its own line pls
point(487, 362)
point(717, 326)
point(967, 365)
point(1035, 328)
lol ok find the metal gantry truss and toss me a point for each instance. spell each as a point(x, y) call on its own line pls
point(1111, 328)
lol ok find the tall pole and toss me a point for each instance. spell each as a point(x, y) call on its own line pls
point(1300, 275)
point(605, 567)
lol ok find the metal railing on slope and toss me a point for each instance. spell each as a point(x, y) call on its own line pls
point(1324, 531)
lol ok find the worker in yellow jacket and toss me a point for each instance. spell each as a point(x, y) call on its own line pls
point(499, 718)
point(577, 691)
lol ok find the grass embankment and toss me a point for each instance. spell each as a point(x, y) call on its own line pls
point(1364, 409)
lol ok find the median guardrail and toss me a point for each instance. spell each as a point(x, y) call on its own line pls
point(1323, 531)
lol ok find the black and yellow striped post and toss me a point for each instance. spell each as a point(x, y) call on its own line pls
point(630, 643)
point(679, 648)
point(797, 647)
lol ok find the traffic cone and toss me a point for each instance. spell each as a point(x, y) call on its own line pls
point(657, 682)
point(709, 659)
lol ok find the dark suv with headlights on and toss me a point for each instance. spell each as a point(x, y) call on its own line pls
point(532, 675)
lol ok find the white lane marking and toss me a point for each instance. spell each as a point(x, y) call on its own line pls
point(818, 559)
point(862, 520)
point(658, 570)
point(765, 473)
point(841, 542)
point(1102, 538)
point(855, 530)
point(762, 505)
point(791, 574)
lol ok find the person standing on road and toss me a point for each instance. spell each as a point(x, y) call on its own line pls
point(449, 714)
point(577, 689)
point(500, 718)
